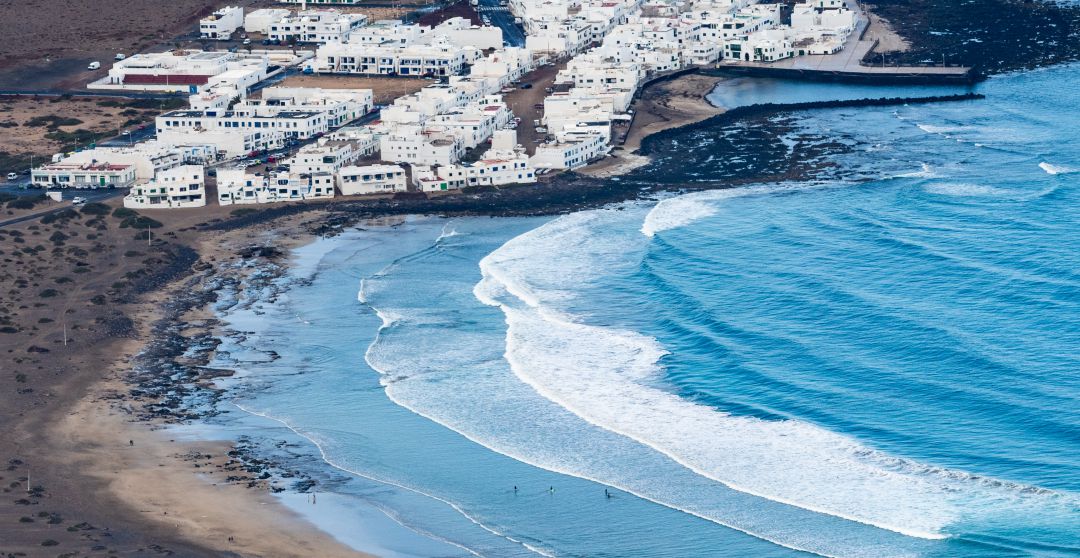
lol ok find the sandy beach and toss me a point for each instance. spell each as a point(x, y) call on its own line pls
point(660, 106)
point(101, 477)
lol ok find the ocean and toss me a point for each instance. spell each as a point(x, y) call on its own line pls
point(879, 362)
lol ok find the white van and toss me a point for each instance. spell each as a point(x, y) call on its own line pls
point(94, 65)
point(120, 56)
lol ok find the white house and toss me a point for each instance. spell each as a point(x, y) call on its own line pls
point(227, 142)
point(182, 71)
point(177, 187)
point(221, 24)
point(325, 156)
point(315, 26)
point(416, 146)
point(236, 186)
point(571, 150)
point(97, 174)
point(258, 21)
point(437, 59)
point(371, 179)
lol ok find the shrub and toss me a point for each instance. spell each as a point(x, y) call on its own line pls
point(123, 213)
point(95, 208)
point(21, 203)
point(60, 216)
point(49, 293)
point(140, 222)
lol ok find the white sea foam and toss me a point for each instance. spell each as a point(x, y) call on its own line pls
point(963, 189)
point(926, 171)
point(679, 211)
point(599, 375)
point(1056, 169)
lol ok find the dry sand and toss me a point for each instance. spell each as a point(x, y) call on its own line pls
point(17, 113)
point(888, 39)
point(384, 89)
point(660, 106)
point(67, 428)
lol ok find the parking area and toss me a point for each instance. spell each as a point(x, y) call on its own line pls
point(527, 104)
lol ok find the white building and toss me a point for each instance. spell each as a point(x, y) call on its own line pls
point(413, 145)
point(505, 163)
point(325, 156)
point(461, 32)
point(178, 187)
point(371, 179)
point(227, 142)
point(315, 26)
point(571, 150)
point(147, 158)
point(221, 24)
point(97, 174)
point(258, 21)
point(183, 71)
point(437, 59)
point(282, 114)
point(236, 186)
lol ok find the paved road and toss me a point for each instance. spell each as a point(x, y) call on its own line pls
point(513, 34)
point(84, 93)
point(89, 195)
point(130, 137)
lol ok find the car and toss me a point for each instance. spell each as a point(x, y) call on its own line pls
point(526, 86)
point(93, 65)
point(78, 200)
point(266, 41)
point(12, 176)
point(247, 41)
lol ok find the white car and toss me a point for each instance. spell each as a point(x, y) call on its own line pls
point(78, 200)
point(93, 65)
point(120, 56)
point(12, 177)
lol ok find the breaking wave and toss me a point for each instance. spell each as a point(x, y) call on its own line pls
point(608, 376)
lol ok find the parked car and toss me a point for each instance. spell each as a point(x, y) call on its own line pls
point(12, 176)
point(247, 41)
point(120, 56)
point(78, 200)
point(526, 86)
point(93, 65)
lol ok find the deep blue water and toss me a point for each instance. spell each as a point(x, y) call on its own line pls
point(879, 366)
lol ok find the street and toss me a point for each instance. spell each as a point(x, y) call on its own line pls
point(500, 15)
point(88, 195)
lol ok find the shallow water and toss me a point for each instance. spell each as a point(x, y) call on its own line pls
point(879, 366)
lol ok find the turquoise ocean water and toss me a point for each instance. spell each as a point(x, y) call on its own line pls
point(885, 364)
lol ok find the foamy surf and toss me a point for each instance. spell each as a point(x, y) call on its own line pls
point(964, 189)
point(679, 211)
point(1056, 169)
point(598, 374)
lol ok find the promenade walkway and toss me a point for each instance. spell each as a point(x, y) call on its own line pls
point(849, 60)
